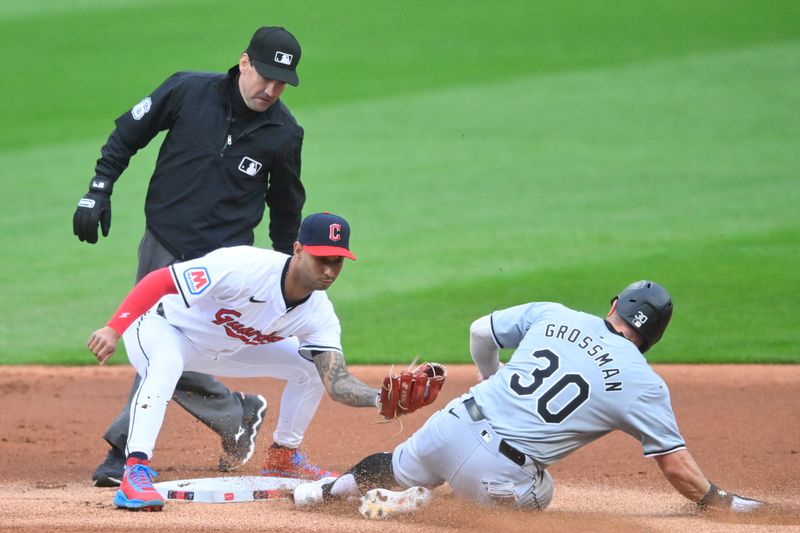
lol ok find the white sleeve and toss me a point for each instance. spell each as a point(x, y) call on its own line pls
point(483, 348)
point(509, 326)
point(324, 333)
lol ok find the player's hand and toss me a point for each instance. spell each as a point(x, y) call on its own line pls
point(103, 344)
point(93, 209)
point(411, 389)
point(717, 499)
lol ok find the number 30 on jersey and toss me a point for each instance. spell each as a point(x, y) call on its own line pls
point(579, 390)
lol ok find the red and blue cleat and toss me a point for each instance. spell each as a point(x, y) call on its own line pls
point(136, 492)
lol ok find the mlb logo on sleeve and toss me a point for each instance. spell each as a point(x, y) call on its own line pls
point(197, 279)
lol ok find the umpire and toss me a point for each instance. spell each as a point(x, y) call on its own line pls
point(231, 146)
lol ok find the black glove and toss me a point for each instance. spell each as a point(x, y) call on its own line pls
point(94, 207)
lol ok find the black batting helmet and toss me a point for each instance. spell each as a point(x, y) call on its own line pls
point(647, 307)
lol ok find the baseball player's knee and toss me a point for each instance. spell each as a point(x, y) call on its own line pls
point(500, 493)
point(167, 366)
point(316, 382)
point(312, 389)
point(315, 388)
point(505, 493)
point(540, 494)
point(374, 471)
point(306, 376)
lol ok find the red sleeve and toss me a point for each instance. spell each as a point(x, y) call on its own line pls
point(142, 297)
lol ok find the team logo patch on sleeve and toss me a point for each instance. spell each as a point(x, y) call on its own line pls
point(197, 279)
point(141, 109)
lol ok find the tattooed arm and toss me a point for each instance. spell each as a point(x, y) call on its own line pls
point(340, 384)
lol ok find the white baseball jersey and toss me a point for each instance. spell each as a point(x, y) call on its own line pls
point(571, 380)
point(233, 298)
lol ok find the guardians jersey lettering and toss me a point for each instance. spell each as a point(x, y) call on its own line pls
point(242, 305)
point(237, 330)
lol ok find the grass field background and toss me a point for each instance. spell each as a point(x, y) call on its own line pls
point(485, 154)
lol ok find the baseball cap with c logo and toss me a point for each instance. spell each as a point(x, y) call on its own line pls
point(326, 234)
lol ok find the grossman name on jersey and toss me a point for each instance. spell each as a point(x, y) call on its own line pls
point(595, 351)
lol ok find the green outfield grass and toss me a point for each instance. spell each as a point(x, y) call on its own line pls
point(485, 157)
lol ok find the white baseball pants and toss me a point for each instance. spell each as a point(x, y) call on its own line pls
point(160, 353)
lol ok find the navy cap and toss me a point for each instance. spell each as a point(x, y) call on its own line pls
point(326, 234)
point(275, 53)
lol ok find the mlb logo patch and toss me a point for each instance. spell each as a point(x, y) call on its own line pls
point(283, 58)
point(249, 166)
point(197, 279)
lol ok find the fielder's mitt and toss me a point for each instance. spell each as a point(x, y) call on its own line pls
point(411, 389)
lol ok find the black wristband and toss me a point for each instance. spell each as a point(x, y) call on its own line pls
point(716, 498)
point(101, 184)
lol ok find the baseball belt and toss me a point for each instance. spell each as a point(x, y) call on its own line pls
point(505, 448)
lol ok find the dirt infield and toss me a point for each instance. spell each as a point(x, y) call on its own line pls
point(742, 424)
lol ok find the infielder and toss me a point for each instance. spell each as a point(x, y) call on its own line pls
point(236, 312)
point(572, 379)
point(231, 145)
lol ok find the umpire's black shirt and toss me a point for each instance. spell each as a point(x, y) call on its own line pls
point(218, 165)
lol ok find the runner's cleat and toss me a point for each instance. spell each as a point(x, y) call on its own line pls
point(379, 504)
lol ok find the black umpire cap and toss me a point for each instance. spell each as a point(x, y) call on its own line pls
point(275, 53)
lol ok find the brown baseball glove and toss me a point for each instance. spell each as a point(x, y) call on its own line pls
point(411, 389)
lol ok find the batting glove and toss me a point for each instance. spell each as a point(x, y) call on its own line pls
point(93, 208)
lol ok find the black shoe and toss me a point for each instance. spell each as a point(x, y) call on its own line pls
point(239, 448)
point(109, 473)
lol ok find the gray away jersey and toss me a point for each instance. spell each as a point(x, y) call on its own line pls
point(570, 381)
